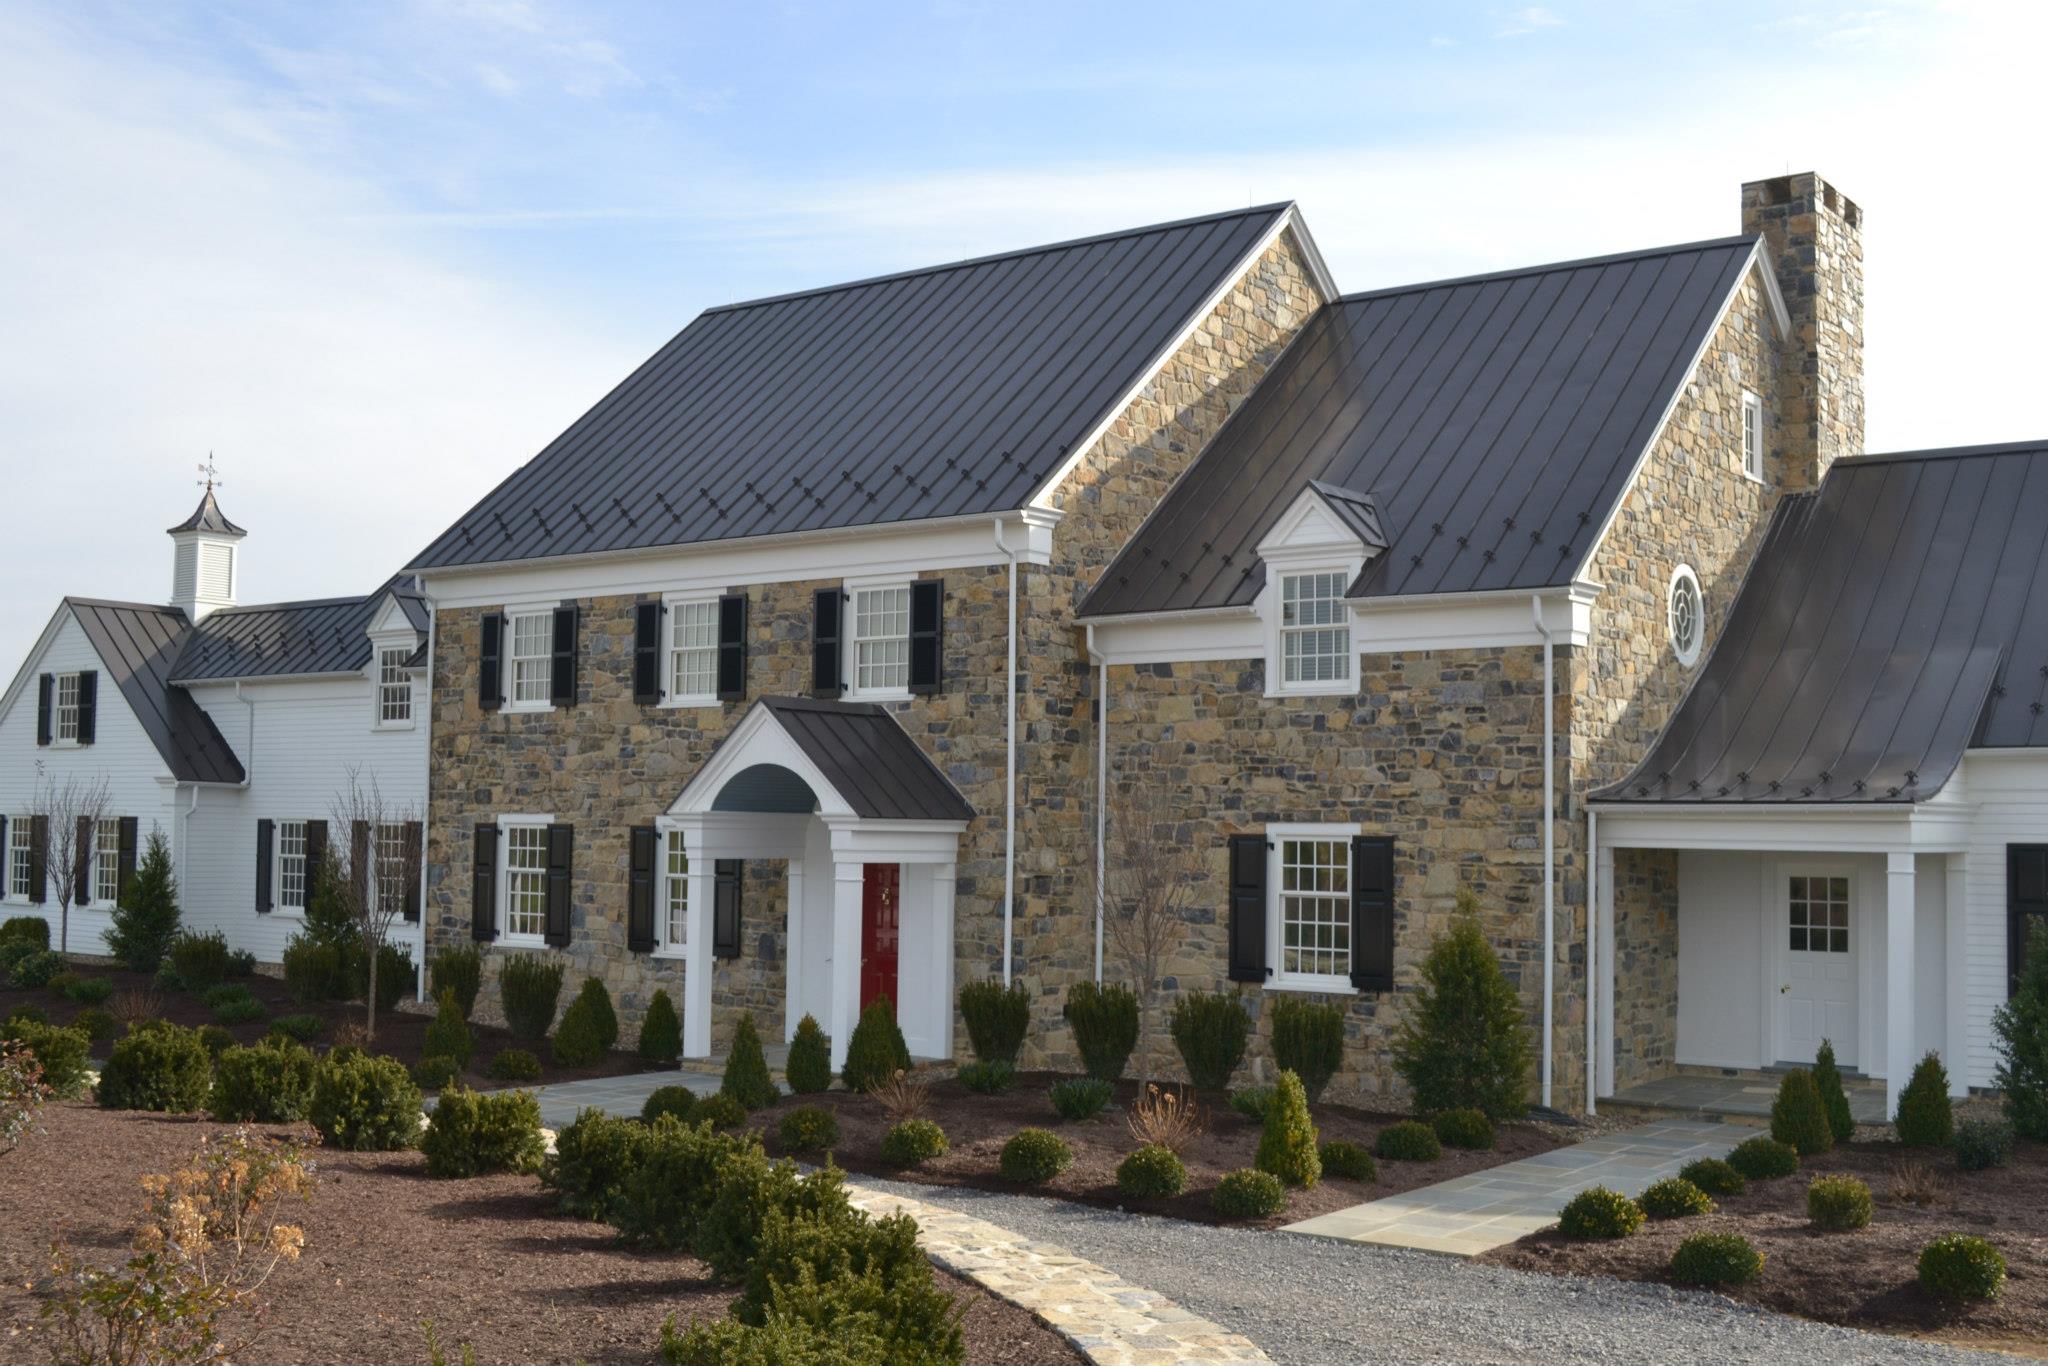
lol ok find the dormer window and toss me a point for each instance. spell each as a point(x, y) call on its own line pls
point(1313, 554)
point(1315, 629)
point(394, 687)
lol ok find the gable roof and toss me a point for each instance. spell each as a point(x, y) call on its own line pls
point(283, 639)
point(864, 753)
point(945, 392)
point(1891, 620)
point(137, 644)
point(1495, 420)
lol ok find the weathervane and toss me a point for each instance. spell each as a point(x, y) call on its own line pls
point(212, 475)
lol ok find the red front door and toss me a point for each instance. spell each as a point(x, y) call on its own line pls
point(878, 929)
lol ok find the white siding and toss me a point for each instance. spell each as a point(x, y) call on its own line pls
point(2010, 791)
point(1719, 974)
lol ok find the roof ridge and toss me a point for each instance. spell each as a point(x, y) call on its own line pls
point(290, 603)
point(1018, 253)
point(1580, 263)
point(1944, 453)
point(124, 605)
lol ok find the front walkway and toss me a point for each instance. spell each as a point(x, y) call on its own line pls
point(614, 1095)
point(1473, 1214)
point(1742, 1097)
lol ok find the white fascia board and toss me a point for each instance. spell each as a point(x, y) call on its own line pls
point(902, 549)
point(1782, 827)
point(209, 693)
point(35, 657)
point(390, 620)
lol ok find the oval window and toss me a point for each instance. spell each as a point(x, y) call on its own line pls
point(1687, 615)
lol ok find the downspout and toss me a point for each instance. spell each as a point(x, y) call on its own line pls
point(1101, 663)
point(426, 800)
point(1549, 839)
point(1009, 760)
point(1592, 956)
point(185, 836)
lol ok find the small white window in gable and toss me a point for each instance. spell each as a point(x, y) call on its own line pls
point(1315, 629)
point(1686, 615)
point(693, 652)
point(533, 658)
point(291, 865)
point(217, 571)
point(1752, 436)
point(21, 856)
point(881, 635)
point(394, 687)
point(106, 864)
point(67, 708)
point(675, 893)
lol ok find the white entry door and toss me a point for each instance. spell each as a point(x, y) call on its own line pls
point(1817, 948)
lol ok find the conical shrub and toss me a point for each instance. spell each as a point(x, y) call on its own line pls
point(1798, 1119)
point(810, 1059)
point(1827, 1079)
point(448, 1036)
point(661, 1033)
point(1288, 1148)
point(1926, 1119)
point(746, 1069)
point(876, 1052)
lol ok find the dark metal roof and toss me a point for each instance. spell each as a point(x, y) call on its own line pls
point(137, 644)
point(869, 760)
point(208, 517)
point(1495, 421)
point(942, 392)
point(274, 640)
point(1891, 620)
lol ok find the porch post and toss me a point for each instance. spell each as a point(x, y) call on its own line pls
point(943, 877)
point(793, 953)
point(848, 878)
point(1956, 998)
point(697, 946)
point(1898, 975)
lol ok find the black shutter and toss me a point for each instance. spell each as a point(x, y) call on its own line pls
point(732, 647)
point(561, 852)
point(81, 863)
point(483, 884)
point(39, 859)
point(124, 864)
point(1247, 908)
point(647, 653)
point(415, 853)
point(828, 611)
point(640, 889)
point(265, 834)
point(562, 677)
point(927, 635)
point(725, 908)
point(1372, 912)
point(45, 686)
point(316, 855)
point(490, 663)
point(359, 864)
point(2026, 905)
point(88, 706)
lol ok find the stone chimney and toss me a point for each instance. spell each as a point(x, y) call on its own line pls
point(1813, 238)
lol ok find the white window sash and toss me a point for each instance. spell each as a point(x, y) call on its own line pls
point(66, 727)
point(21, 838)
point(1315, 645)
point(672, 926)
point(1308, 926)
point(532, 654)
point(106, 864)
point(693, 651)
point(523, 885)
point(291, 865)
point(881, 640)
point(394, 688)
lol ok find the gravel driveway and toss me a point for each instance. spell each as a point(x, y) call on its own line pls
point(1314, 1302)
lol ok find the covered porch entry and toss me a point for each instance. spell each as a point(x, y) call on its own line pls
point(869, 829)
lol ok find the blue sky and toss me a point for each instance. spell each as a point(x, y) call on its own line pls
point(375, 255)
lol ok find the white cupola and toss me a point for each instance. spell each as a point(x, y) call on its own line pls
point(204, 572)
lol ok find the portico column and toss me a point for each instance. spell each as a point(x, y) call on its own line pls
point(944, 876)
point(1898, 976)
point(1956, 999)
point(793, 956)
point(697, 947)
point(848, 880)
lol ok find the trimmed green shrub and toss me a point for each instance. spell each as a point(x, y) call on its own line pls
point(35, 969)
point(988, 1078)
point(1713, 1176)
point(1077, 1098)
point(514, 1064)
point(363, 1103)
point(720, 1111)
point(1764, 1159)
point(98, 1025)
point(1798, 1118)
point(90, 991)
point(1980, 1143)
point(661, 1032)
point(448, 1035)
point(1348, 1161)
point(876, 1052)
point(1288, 1147)
point(62, 983)
point(528, 987)
point(809, 1129)
point(458, 970)
point(746, 1188)
point(200, 960)
point(157, 1066)
point(595, 1155)
point(1249, 1193)
point(243, 1009)
point(217, 996)
point(313, 971)
point(241, 963)
point(1716, 1259)
point(857, 1335)
point(589, 1027)
point(1308, 1040)
point(1105, 1024)
point(1409, 1141)
point(1956, 1266)
point(1463, 1043)
point(997, 1018)
point(1468, 1129)
point(475, 1135)
point(396, 976)
point(302, 1028)
point(29, 1010)
point(913, 1143)
point(1599, 1213)
point(1152, 1173)
point(746, 1069)
point(1210, 1030)
point(1925, 1118)
point(64, 1053)
point(436, 1073)
point(1034, 1155)
point(1252, 1102)
point(12, 951)
point(269, 1083)
point(679, 1101)
point(861, 1286)
point(145, 920)
point(809, 1069)
point(1674, 1198)
point(2021, 1027)
point(1838, 1203)
point(215, 1039)
point(1827, 1080)
point(32, 930)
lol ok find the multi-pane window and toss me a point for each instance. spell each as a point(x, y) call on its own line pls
point(532, 657)
point(21, 854)
point(881, 633)
point(391, 869)
point(1752, 436)
point(526, 880)
point(675, 892)
point(394, 688)
point(693, 652)
point(1820, 914)
point(67, 707)
point(1315, 628)
point(1315, 907)
point(106, 863)
point(291, 864)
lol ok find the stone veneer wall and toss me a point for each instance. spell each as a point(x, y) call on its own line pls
point(1646, 965)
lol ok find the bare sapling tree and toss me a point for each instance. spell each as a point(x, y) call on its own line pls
point(373, 853)
point(70, 813)
point(1152, 873)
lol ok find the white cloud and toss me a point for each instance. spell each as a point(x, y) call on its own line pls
point(1516, 23)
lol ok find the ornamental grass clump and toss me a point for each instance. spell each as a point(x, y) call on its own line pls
point(997, 1018)
point(1105, 1024)
point(1075, 1099)
point(746, 1069)
point(1034, 1156)
point(1152, 1173)
point(1764, 1159)
point(1827, 1080)
point(912, 1143)
point(1288, 1147)
point(1249, 1193)
point(809, 1069)
point(475, 1135)
point(661, 1032)
point(1926, 1119)
point(1599, 1213)
point(1674, 1198)
point(1348, 1161)
point(1716, 1259)
point(1959, 1267)
point(1168, 1117)
point(1799, 1119)
point(1409, 1141)
point(1308, 1040)
point(1463, 1043)
point(435, 1074)
point(876, 1051)
point(1838, 1203)
point(1210, 1031)
point(903, 1095)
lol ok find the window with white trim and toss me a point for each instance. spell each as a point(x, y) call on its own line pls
point(21, 854)
point(291, 865)
point(693, 652)
point(65, 727)
point(1752, 436)
point(1313, 909)
point(106, 863)
point(881, 639)
point(1686, 615)
point(390, 868)
point(533, 658)
point(1315, 629)
point(394, 687)
point(526, 880)
point(675, 892)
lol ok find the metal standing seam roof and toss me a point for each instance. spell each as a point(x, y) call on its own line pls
point(950, 391)
point(208, 517)
point(273, 640)
point(137, 644)
point(1494, 420)
point(1893, 619)
point(869, 760)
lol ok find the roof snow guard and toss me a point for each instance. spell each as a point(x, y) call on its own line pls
point(286, 639)
point(1892, 620)
point(138, 642)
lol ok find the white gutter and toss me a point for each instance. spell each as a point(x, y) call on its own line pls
point(1009, 760)
point(1592, 957)
point(426, 797)
point(1549, 840)
point(1101, 663)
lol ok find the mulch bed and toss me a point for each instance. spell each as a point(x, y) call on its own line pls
point(977, 1126)
point(487, 1261)
point(400, 1032)
point(1866, 1278)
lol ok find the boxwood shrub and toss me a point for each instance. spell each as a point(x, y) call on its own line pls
point(97, 1024)
point(1838, 1203)
point(63, 1052)
point(1957, 1266)
point(1251, 1102)
point(1980, 1143)
point(1764, 1159)
point(1409, 1141)
point(1105, 1024)
point(988, 1078)
point(997, 1018)
point(1210, 1029)
point(436, 1073)
point(303, 1028)
point(809, 1129)
point(199, 960)
point(1599, 1213)
point(679, 1101)
point(1348, 1161)
point(595, 1155)
point(1714, 1176)
point(913, 1143)
point(720, 1111)
point(1077, 1098)
point(90, 991)
point(35, 969)
point(1152, 1173)
point(514, 1064)
point(1033, 1156)
point(1674, 1198)
point(1249, 1194)
point(157, 1066)
point(269, 1083)
point(475, 1135)
point(365, 1103)
point(1469, 1129)
point(1716, 1259)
